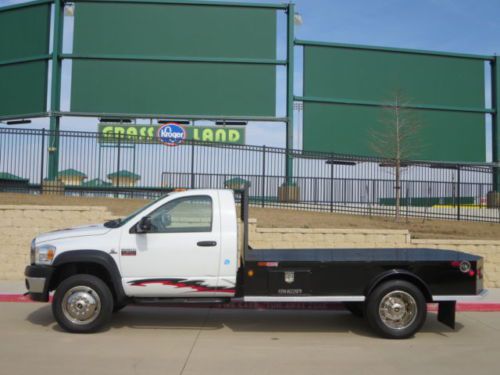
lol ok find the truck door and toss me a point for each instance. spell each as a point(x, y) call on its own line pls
point(179, 255)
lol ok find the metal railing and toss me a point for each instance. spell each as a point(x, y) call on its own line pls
point(93, 166)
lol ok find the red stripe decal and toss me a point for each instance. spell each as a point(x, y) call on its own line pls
point(198, 288)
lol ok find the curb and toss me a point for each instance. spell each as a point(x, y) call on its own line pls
point(461, 306)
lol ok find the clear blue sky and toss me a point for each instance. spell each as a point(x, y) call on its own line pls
point(446, 25)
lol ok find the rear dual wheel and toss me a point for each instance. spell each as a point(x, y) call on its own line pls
point(396, 309)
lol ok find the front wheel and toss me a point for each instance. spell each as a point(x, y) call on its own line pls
point(82, 304)
point(396, 309)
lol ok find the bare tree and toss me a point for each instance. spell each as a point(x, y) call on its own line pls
point(396, 139)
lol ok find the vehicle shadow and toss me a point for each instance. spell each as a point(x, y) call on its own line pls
point(238, 320)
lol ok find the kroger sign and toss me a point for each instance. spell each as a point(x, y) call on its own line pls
point(171, 134)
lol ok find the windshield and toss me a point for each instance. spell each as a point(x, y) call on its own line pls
point(121, 221)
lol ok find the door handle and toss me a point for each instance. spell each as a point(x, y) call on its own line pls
point(207, 243)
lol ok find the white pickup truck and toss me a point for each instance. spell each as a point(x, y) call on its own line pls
point(185, 247)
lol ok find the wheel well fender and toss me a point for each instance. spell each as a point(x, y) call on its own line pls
point(398, 274)
point(94, 262)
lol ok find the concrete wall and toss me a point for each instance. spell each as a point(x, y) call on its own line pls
point(276, 238)
point(21, 223)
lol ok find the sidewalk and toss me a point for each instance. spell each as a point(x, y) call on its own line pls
point(12, 287)
point(13, 291)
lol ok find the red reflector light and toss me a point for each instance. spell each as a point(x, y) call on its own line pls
point(471, 273)
point(455, 264)
point(267, 264)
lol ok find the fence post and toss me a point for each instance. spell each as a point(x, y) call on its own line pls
point(263, 190)
point(331, 187)
point(374, 195)
point(315, 192)
point(344, 190)
point(458, 192)
point(42, 161)
point(118, 164)
point(192, 163)
point(408, 199)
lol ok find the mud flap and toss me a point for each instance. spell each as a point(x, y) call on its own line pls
point(446, 313)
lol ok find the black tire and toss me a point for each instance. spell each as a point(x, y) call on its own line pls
point(402, 316)
point(89, 295)
point(356, 308)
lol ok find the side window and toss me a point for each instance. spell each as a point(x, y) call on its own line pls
point(183, 215)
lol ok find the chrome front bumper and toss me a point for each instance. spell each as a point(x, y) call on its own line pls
point(35, 284)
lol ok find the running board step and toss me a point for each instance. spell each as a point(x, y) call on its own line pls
point(194, 300)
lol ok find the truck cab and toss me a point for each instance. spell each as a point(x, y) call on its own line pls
point(181, 245)
point(185, 247)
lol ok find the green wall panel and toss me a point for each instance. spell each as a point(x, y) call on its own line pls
point(24, 33)
point(181, 88)
point(174, 30)
point(444, 136)
point(376, 76)
point(173, 88)
point(23, 88)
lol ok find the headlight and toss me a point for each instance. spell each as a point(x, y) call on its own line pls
point(45, 254)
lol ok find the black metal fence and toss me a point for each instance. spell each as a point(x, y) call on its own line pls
point(93, 166)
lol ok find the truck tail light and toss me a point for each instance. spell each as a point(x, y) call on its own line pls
point(465, 267)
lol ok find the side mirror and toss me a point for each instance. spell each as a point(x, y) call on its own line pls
point(144, 226)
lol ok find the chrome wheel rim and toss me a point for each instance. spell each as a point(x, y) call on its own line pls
point(81, 305)
point(398, 310)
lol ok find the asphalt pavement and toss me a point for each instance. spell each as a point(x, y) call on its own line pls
point(178, 340)
point(163, 340)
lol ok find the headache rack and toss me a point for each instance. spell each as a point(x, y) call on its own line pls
point(243, 198)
